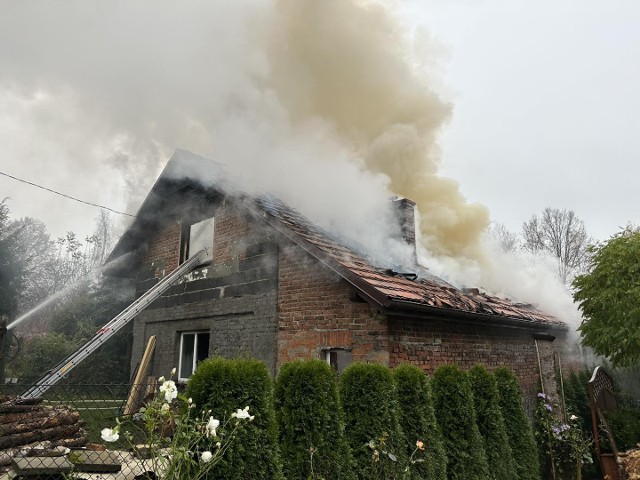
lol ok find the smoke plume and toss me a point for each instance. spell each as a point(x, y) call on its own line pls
point(318, 101)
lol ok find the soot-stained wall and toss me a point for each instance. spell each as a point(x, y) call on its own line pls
point(233, 298)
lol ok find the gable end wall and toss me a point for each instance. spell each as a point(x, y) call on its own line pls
point(234, 298)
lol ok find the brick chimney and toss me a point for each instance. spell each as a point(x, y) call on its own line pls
point(406, 211)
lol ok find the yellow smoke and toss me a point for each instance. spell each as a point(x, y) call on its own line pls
point(348, 63)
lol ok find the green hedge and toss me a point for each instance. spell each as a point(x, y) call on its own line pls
point(491, 424)
point(370, 405)
point(519, 431)
point(456, 416)
point(576, 394)
point(223, 386)
point(309, 415)
point(418, 422)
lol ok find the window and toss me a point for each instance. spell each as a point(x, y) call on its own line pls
point(339, 359)
point(194, 347)
point(195, 237)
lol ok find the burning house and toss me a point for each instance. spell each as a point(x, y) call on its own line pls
point(279, 288)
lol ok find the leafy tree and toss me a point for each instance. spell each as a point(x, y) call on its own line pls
point(562, 234)
point(73, 322)
point(12, 277)
point(224, 385)
point(456, 416)
point(609, 298)
point(491, 423)
point(372, 425)
point(418, 422)
point(519, 431)
point(42, 353)
point(36, 256)
point(310, 422)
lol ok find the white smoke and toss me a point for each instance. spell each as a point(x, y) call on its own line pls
point(320, 102)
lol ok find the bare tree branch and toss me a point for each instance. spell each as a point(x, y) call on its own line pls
point(561, 233)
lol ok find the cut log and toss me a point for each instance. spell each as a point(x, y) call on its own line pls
point(17, 417)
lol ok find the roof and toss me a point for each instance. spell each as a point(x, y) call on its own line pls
point(393, 291)
point(420, 293)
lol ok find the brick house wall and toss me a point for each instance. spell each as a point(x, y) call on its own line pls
point(264, 296)
point(163, 252)
point(430, 343)
point(317, 311)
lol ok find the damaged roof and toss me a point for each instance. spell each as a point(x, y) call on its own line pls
point(420, 294)
point(392, 290)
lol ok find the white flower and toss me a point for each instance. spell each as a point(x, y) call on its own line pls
point(190, 401)
point(573, 417)
point(161, 380)
point(110, 435)
point(218, 444)
point(173, 372)
point(242, 414)
point(169, 389)
point(211, 427)
point(164, 409)
point(206, 456)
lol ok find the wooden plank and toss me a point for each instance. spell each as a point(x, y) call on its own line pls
point(29, 466)
point(136, 391)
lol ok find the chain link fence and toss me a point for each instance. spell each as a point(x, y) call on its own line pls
point(59, 434)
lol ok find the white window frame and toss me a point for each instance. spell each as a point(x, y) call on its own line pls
point(196, 334)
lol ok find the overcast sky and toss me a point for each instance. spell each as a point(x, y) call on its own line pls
point(546, 101)
point(545, 97)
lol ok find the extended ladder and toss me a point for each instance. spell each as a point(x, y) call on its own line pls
point(111, 328)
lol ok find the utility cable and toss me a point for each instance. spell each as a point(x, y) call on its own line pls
point(66, 196)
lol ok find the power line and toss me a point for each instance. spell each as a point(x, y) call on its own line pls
point(66, 196)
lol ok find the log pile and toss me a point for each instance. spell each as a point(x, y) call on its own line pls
point(27, 426)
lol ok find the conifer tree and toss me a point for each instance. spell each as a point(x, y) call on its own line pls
point(418, 422)
point(223, 386)
point(491, 423)
point(372, 425)
point(310, 422)
point(456, 416)
point(519, 431)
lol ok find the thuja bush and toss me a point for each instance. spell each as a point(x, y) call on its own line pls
point(418, 422)
point(372, 426)
point(491, 423)
point(576, 394)
point(310, 422)
point(519, 429)
point(220, 385)
point(453, 401)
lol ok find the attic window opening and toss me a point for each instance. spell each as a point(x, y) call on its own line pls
point(194, 348)
point(196, 236)
point(338, 358)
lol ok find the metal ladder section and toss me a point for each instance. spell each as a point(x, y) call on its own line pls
point(111, 328)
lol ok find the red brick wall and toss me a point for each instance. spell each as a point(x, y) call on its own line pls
point(431, 343)
point(316, 312)
point(164, 249)
point(230, 228)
